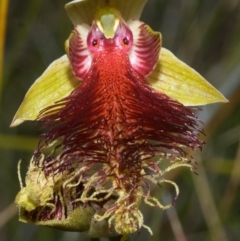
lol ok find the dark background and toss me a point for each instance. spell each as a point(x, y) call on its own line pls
point(203, 33)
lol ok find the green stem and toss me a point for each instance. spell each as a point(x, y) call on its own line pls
point(3, 23)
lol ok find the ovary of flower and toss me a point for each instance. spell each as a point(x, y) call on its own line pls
point(38, 190)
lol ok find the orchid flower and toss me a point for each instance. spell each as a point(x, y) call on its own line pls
point(114, 108)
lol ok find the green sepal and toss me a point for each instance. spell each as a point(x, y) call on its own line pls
point(54, 84)
point(79, 220)
point(83, 11)
point(182, 83)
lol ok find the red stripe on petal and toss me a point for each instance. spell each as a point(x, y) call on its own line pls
point(146, 48)
point(79, 55)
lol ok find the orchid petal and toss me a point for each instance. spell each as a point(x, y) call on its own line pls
point(146, 47)
point(54, 84)
point(78, 52)
point(83, 11)
point(179, 81)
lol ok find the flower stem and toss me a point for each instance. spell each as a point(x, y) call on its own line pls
point(3, 22)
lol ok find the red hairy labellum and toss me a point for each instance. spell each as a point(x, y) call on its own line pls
point(116, 113)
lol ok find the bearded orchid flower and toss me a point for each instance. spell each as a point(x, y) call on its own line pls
point(114, 108)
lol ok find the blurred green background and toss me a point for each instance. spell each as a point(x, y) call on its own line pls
point(203, 33)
